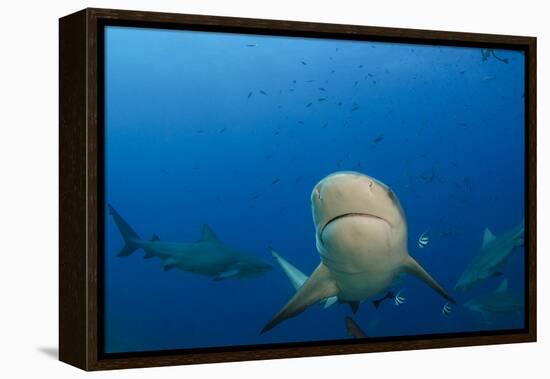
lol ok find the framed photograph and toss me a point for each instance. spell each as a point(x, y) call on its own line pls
point(241, 189)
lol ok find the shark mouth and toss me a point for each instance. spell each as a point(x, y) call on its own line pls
point(336, 218)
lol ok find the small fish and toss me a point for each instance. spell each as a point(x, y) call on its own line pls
point(427, 178)
point(446, 309)
point(370, 75)
point(398, 299)
point(310, 81)
point(321, 99)
point(309, 105)
point(256, 196)
point(222, 130)
point(251, 45)
point(325, 126)
point(378, 139)
point(275, 181)
point(276, 133)
point(339, 103)
point(322, 89)
point(249, 95)
point(487, 78)
point(423, 240)
point(200, 131)
point(263, 93)
point(304, 63)
point(355, 84)
point(300, 122)
point(354, 108)
point(163, 171)
point(353, 329)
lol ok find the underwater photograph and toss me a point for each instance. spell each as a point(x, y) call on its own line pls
point(271, 189)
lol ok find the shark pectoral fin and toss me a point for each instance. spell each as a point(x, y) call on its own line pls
point(227, 274)
point(354, 305)
point(319, 286)
point(413, 267)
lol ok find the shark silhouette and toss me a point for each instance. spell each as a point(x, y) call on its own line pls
point(492, 256)
point(361, 235)
point(499, 303)
point(207, 257)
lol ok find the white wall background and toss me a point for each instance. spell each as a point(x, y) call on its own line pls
point(28, 185)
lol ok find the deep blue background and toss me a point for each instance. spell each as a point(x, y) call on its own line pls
point(186, 146)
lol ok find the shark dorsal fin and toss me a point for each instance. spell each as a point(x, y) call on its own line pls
point(208, 235)
point(488, 237)
point(503, 287)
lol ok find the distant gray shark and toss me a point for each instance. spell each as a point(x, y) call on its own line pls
point(499, 303)
point(361, 235)
point(208, 256)
point(493, 255)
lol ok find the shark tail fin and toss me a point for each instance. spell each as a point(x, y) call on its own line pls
point(317, 287)
point(413, 267)
point(128, 234)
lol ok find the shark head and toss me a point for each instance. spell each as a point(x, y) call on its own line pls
point(351, 193)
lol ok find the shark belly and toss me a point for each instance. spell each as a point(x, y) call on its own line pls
point(360, 256)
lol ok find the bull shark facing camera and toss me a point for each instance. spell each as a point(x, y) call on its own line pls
point(361, 237)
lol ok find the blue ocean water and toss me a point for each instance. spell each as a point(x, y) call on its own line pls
point(234, 131)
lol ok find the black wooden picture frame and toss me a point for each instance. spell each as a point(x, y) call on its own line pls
point(81, 184)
